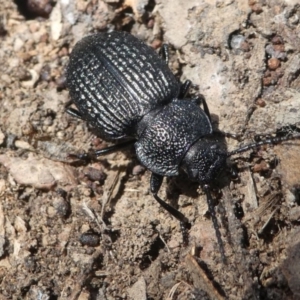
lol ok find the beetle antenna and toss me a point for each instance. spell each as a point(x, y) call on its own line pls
point(274, 140)
point(212, 212)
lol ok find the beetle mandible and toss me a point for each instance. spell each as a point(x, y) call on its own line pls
point(125, 90)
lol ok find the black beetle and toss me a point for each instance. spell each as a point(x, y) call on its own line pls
point(124, 89)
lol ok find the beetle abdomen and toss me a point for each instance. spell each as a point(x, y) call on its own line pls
point(114, 79)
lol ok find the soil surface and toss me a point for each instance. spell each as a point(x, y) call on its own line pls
point(71, 229)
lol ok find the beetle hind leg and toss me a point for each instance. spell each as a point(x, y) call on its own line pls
point(114, 148)
point(74, 113)
point(164, 52)
point(93, 154)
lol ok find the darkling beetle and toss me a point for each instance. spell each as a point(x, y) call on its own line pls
point(125, 90)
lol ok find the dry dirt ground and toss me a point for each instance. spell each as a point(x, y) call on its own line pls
point(76, 230)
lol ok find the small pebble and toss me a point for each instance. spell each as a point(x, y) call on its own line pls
point(23, 145)
point(273, 63)
point(89, 239)
point(260, 102)
point(94, 174)
point(138, 170)
point(262, 166)
point(40, 8)
point(62, 207)
point(156, 44)
point(295, 213)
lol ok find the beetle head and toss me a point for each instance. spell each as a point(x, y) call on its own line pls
point(205, 160)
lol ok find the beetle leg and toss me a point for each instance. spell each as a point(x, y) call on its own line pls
point(201, 100)
point(164, 52)
point(91, 155)
point(155, 184)
point(114, 148)
point(74, 113)
point(184, 88)
point(236, 136)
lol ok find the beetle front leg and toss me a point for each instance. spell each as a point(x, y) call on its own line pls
point(155, 184)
